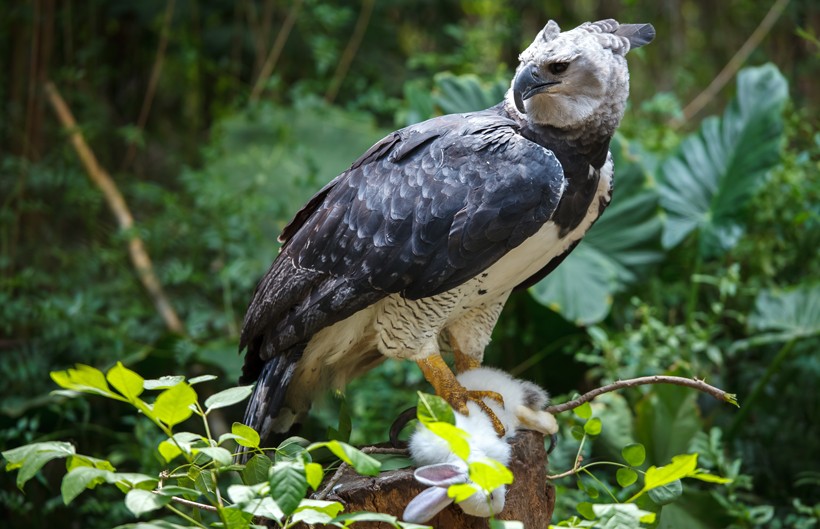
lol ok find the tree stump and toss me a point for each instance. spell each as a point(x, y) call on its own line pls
point(530, 499)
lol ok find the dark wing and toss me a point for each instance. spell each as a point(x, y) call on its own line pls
point(424, 210)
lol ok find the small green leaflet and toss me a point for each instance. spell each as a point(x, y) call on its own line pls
point(288, 485)
point(245, 435)
point(173, 405)
point(141, 501)
point(218, 454)
point(461, 491)
point(29, 459)
point(455, 437)
point(583, 411)
point(682, 466)
point(489, 474)
point(227, 397)
point(634, 454)
point(361, 462)
point(128, 383)
point(432, 408)
point(626, 477)
point(85, 379)
point(593, 426)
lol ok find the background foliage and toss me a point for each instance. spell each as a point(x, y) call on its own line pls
point(705, 265)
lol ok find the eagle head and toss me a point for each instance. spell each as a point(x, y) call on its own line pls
point(577, 79)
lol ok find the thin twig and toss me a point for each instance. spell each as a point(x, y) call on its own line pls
point(189, 503)
point(273, 57)
point(734, 64)
point(640, 381)
point(116, 202)
point(153, 81)
point(344, 466)
point(350, 51)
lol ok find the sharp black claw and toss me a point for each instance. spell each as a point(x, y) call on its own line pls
point(398, 425)
point(553, 443)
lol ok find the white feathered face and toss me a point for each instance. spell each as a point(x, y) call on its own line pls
point(577, 78)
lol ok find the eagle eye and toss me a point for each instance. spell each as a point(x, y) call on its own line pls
point(558, 67)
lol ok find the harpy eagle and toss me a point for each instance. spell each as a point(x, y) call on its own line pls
point(423, 238)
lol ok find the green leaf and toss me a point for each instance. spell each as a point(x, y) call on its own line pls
point(245, 435)
point(681, 466)
point(626, 477)
point(583, 411)
point(666, 494)
point(432, 408)
point(634, 454)
point(593, 426)
point(174, 490)
point(245, 493)
point(349, 518)
point(505, 524)
point(795, 312)
point(234, 518)
point(314, 475)
point(227, 397)
point(621, 516)
point(456, 438)
point(81, 478)
point(716, 171)
point(85, 379)
point(163, 382)
point(173, 405)
point(256, 470)
point(288, 485)
point(218, 454)
point(141, 501)
point(615, 252)
point(331, 508)
point(585, 509)
point(702, 475)
point(29, 459)
point(577, 433)
point(489, 474)
point(168, 450)
point(128, 383)
point(461, 491)
point(202, 378)
point(361, 462)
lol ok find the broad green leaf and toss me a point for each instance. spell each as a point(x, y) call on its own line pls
point(583, 411)
point(795, 312)
point(79, 460)
point(312, 518)
point(288, 485)
point(245, 435)
point(256, 470)
point(626, 477)
point(489, 474)
point(361, 462)
point(634, 454)
point(585, 509)
point(593, 426)
point(245, 493)
point(461, 491)
point(128, 383)
point(456, 438)
point(455, 94)
point(81, 478)
point(85, 379)
point(29, 459)
point(314, 475)
point(616, 250)
point(163, 382)
point(666, 494)
point(169, 450)
point(708, 183)
point(173, 405)
point(141, 501)
point(218, 454)
point(667, 421)
point(432, 408)
point(331, 508)
point(621, 516)
point(681, 466)
point(235, 518)
point(227, 397)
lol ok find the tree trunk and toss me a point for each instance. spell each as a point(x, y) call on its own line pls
point(530, 499)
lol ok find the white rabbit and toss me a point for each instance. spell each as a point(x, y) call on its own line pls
point(439, 468)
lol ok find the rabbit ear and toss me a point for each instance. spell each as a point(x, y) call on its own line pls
point(426, 505)
point(441, 475)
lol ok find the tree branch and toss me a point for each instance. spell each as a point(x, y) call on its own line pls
point(273, 57)
point(350, 51)
point(153, 81)
point(734, 64)
point(694, 383)
point(116, 202)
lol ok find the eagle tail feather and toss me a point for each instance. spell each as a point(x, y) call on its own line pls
point(266, 411)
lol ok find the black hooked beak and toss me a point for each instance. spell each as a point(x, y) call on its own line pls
point(527, 83)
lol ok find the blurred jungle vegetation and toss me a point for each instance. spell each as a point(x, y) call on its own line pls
point(218, 119)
